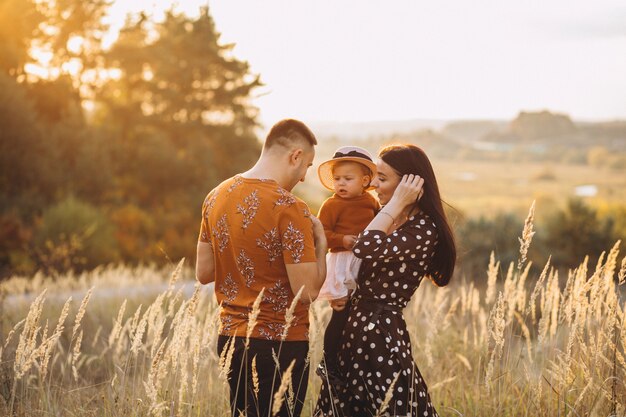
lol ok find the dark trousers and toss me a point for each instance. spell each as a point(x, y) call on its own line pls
point(240, 378)
point(332, 337)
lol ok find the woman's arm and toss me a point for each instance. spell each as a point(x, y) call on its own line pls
point(414, 242)
point(405, 195)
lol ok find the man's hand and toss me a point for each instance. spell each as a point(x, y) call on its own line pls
point(349, 241)
point(310, 274)
point(339, 303)
point(318, 232)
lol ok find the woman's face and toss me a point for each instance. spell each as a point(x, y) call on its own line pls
point(385, 182)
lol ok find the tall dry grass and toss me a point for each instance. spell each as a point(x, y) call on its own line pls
point(512, 343)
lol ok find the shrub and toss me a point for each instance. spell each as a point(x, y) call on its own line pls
point(74, 235)
point(477, 238)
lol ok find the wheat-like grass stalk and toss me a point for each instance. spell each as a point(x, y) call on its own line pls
point(496, 325)
point(527, 236)
point(388, 396)
point(54, 338)
point(226, 358)
point(433, 330)
point(255, 378)
point(13, 331)
point(25, 353)
point(76, 354)
point(195, 362)
point(621, 276)
point(256, 309)
point(96, 337)
point(279, 395)
point(289, 316)
point(520, 292)
point(492, 277)
point(117, 326)
point(173, 302)
point(442, 383)
point(81, 312)
point(538, 286)
point(464, 361)
point(526, 334)
point(553, 289)
point(134, 321)
point(138, 336)
point(152, 383)
point(176, 274)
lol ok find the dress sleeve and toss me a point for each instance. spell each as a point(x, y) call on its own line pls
point(328, 215)
point(415, 242)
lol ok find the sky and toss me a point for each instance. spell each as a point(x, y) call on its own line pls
point(360, 60)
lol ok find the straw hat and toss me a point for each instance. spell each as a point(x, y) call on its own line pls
point(345, 153)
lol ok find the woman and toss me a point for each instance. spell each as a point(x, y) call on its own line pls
point(409, 239)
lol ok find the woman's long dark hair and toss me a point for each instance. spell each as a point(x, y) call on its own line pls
point(410, 159)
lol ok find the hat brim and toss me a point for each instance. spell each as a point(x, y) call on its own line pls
point(325, 170)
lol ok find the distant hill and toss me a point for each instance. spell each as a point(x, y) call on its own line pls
point(471, 130)
point(541, 135)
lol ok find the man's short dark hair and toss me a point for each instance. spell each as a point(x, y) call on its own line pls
point(289, 131)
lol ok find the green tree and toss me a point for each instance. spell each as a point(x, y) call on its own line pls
point(172, 118)
point(187, 86)
point(20, 21)
point(179, 108)
point(479, 237)
point(23, 152)
point(575, 232)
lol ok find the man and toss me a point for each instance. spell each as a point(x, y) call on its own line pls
point(256, 236)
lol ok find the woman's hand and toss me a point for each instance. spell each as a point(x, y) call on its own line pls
point(339, 303)
point(409, 189)
point(407, 192)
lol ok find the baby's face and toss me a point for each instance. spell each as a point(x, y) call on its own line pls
point(349, 180)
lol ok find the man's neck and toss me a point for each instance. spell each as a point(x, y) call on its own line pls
point(267, 168)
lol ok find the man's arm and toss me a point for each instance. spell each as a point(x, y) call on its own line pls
point(311, 275)
point(205, 264)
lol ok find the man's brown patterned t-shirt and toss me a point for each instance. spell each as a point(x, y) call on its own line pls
point(255, 227)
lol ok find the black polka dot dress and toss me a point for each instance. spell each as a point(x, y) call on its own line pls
point(375, 354)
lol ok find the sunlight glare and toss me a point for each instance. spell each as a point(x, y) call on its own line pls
point(72, 67)
point(37, 70)
point(75, 44)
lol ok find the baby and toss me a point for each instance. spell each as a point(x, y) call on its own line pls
point(344, 215)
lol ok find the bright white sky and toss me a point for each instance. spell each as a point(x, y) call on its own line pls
point(359, 60)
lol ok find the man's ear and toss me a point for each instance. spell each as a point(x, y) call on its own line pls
point(295, 156)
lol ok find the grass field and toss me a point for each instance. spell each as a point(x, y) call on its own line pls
point(480, 187)
point(486, 187)
point(503, 344)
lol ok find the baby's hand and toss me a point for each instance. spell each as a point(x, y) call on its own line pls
point(339, 303)
point(349, 241)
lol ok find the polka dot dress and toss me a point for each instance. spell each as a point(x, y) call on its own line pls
point(375, 354)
